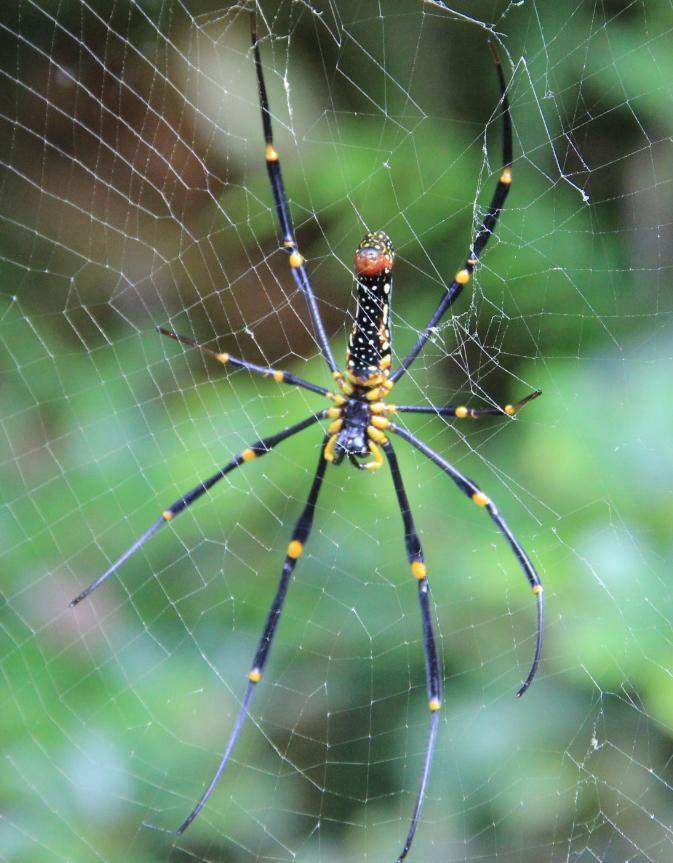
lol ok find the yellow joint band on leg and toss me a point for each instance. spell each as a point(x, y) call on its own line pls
point(295, 549)
point(222, 358)
point(419, 570)
point(248, 454)
point(510, 410)
point(380, 422)
point(167, 515)
point(537, 588)
point(506, 176)
point(480, 498)
point(462, 277)
point(334, 427)
point(377, 460)
point(328, 452)
point(334, 413)
point(279, 376)
point(376, 435)
point(434, 704)
point(296, 259)
point(255, 675)
point(461, 412)
point(271, 153)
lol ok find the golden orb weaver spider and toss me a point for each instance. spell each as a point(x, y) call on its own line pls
point(360, 426)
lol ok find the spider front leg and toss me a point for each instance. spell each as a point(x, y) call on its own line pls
point(257, 449)
point(419, 571)
point(475, 494)
point(484, 233)
point(296, 259)
point(300, 535)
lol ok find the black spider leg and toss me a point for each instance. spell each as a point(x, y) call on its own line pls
point(463, 412)
point(259, 448)
point(297, 263)
point(463, 276)
point(415, 557)
point(227, 360)
point(300, 535)
point(474, 492)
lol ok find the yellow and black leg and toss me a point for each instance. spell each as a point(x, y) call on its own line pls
point(462, 412)
point(477, 496)
point(296, 259)
point(301, 533)
point(258, 449)
point(484, 233)
point(419, 571)
point(265, 371)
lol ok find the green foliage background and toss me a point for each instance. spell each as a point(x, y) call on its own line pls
point(132, 199)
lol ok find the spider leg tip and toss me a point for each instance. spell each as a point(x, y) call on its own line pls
point(525, 686)
point(185, 824)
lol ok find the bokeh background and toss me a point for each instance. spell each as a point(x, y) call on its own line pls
point(133, 193)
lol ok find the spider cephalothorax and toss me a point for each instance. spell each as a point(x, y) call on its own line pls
point(359, 429)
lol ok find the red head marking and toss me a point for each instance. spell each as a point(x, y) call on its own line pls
point(374, 255)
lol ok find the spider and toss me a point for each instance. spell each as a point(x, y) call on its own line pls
point(360, 427)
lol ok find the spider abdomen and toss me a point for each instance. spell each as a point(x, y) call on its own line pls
point(368, 357)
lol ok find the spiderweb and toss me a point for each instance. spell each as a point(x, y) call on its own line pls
point(134, 194)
